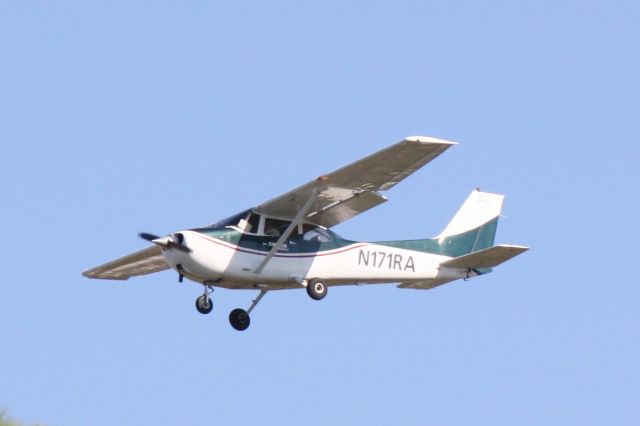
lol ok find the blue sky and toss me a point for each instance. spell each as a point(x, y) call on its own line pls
point(123, 117)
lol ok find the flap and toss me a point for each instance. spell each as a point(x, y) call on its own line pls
point(343, 210)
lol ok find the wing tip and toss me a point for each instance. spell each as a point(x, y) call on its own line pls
point(514, 247)
point(429, 140)
point(89, 273)
point(97, 276)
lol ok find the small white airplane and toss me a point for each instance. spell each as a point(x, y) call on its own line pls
point(286, 243)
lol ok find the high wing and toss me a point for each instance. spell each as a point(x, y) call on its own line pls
point(353, 189)
point(142, 262)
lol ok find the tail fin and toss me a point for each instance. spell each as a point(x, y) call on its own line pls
point(474, 226)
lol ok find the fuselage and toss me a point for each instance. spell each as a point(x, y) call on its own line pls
point(228, 258)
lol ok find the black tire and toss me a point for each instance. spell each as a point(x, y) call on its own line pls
point(239, 319)
point(316, 290)
point(204, 304)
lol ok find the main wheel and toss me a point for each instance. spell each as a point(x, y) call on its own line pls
point(239, 319)
point(204, 304)
point(316, 290)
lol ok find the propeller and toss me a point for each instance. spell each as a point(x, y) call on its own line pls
point(167, 242)
point(147, 236)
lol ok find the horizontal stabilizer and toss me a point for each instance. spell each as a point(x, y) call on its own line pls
point(487, 258)
point(423, 284)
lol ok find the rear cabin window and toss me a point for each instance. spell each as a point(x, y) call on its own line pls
point(317, 235)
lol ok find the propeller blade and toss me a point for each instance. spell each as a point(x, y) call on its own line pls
point(147, 236)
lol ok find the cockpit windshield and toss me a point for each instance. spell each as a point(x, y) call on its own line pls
point(231, 221)
point(249, 222)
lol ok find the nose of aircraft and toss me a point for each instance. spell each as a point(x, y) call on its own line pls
point(162, 242)
point(171, 241)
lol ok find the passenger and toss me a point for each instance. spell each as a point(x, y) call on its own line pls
point(315, 236)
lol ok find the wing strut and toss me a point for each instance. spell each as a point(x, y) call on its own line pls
point(294, 223)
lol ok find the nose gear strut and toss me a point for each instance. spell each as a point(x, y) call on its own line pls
point(204, 303)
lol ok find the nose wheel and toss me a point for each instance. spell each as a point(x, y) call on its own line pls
point(204, 304)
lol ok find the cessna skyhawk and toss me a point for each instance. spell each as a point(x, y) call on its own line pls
point(286, 243)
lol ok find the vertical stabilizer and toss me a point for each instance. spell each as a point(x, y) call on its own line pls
point(479, 209)
point(472, 228)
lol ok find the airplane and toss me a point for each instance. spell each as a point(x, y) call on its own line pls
point(287, 243)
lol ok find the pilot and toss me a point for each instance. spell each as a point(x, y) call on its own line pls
point(272, 231)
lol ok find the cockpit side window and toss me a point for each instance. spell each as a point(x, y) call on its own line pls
point(252, 223)
point(275, 227)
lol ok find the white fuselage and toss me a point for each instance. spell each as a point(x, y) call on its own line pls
point(226, 265)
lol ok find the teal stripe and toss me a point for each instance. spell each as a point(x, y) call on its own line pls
point(455, 245)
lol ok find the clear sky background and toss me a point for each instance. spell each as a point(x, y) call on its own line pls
point(123, 117)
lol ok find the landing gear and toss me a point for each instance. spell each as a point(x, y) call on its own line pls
point(204, 304)
point(316, 290)
point(239, 318)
